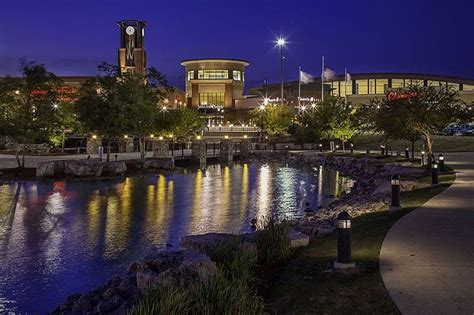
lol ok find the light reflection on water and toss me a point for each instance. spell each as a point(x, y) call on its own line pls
point(57, 238)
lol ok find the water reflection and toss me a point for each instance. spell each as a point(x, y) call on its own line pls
point(63, 237)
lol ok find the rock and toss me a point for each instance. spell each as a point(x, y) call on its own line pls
point(82, 305)
point(297, 239)
point(203, 243)
point(162, 261)
point(114, 168)
point(165, 163)
point(196, 267)
point(147, 280)
point(83, 168)
point(50, 168)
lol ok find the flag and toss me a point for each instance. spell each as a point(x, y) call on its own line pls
point(328, 74)
point(348, 77)
point(306, 78)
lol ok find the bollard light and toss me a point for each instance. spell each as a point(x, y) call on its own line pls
point(434, 173)
point(320, 147)
point(198, 137)
point(125, 136)
point(441, 163)
point(407, 153)
point(382, 149)
point(152, 136)
point(160, 138)
point(395, 204)
point(344, 256)
point(94, 136)
point(245, 136)
point(226, 137)
point(367, 151)
point(352, 148)
point(422, 158)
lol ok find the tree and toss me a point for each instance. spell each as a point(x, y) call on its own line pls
point(28, 106)
point(421, 110)
point(119, 103)
point(181, 123)
point(276, 119)
point(331, 119)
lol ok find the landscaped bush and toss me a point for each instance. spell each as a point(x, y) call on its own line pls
point(228, 292)
point(273, 244)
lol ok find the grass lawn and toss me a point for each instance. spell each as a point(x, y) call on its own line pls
point(441, 143)
point(303, 286)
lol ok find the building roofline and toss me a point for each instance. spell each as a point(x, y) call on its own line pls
point(389, 75)
point(206, 60)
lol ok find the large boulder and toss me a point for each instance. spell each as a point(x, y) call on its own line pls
point(83, 168)
point(114, 168)
point(50, 168)
point(297, 238)
point(165, 163)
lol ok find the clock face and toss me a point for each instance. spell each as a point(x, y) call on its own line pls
point(130, 30)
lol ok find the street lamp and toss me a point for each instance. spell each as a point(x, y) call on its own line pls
point(281, 43)
point(262, 109)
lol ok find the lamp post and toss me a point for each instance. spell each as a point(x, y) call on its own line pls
point(434, 174)
point(441, 163)
point(395, 204)
point(262, 109)
point(344, 256)
point(281, 43)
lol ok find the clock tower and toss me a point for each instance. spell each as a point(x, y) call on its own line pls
point(132, 53)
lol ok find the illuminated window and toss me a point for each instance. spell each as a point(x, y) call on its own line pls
point(211, 98)
point(213, 74)
point(417, 82)
point(346, 88)
point(335, 88)
point(397, 83)
point(467, 87)
point(243, 76)
point(453, 86)
point(433, 83)
point(362, 87)
point(236, 75)
point(407, 83)
point(371, 86)
point(381, 86)
point(190, 75)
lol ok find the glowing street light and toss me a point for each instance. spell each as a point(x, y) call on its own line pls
point(281, 43)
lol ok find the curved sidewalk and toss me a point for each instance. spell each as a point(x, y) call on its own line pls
point(427, 257)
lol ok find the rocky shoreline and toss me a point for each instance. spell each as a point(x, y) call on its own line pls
point(191, 262)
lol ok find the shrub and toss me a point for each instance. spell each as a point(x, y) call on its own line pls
point(273, 244)
point(164, 301)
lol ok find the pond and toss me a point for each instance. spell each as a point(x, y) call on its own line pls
point(63, 237)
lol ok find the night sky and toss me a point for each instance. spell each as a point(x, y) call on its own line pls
point(72, 36)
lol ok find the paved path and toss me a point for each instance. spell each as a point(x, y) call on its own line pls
point(427, 257)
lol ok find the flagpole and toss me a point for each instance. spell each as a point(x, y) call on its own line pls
point(345, 85)
point(322, 81)
point(299, 88)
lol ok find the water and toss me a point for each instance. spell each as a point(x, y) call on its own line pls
point(62, 237)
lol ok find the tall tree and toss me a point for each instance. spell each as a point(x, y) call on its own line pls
point(276, 119)
point(28, 106)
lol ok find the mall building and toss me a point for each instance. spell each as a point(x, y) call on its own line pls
point(215, 83)
point(365, 86)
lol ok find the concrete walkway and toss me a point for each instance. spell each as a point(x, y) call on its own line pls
point(427, 257)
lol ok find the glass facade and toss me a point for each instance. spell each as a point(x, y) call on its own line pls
point(213, 74)
point(212, 98)
point(236, 75)
point(382, 86)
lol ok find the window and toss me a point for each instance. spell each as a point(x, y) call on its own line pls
point(213, 74)
point(371, 86)
point(453, 86)
point(433, 83)
point(397, 83)
point(346, 88)
point(362, 87)
point(417, 82)
point(211, 98)
point(381, 86)
point(467, 87)
point(243, 76)
point(236, 75)
point(190, 75)
point(335, 88)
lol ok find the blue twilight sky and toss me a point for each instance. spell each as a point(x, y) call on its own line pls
point(72, 36)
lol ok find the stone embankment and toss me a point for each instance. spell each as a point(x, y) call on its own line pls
point(191, 263)
point(97, 168)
